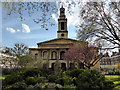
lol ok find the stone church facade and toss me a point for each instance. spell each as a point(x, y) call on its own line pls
point(52, 50)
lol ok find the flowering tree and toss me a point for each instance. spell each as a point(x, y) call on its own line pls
point(87, 55)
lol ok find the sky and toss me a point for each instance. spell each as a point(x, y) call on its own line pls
point(30, 33)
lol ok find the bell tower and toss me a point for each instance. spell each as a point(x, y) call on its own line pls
point(62, 24)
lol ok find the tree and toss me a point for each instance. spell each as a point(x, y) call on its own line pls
point(101, 20)
point(35, 63)
point(20, 8)
point(87, 55)
point(18, 50)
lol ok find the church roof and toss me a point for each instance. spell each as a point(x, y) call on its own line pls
point(57, 39)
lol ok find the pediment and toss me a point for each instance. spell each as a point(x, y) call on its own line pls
point(59, 41)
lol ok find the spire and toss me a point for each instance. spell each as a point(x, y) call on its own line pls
point(62, 6)
point(62, 24)
point(62, 12)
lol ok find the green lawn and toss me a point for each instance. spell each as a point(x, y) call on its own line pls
point(3, 77)
point(115, 79)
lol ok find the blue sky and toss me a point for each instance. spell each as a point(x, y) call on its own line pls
point(28, 32)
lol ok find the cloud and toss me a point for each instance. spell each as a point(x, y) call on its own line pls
point(26, 28)
point(54, 17)
point(18, 30)
point(11, 30)
point(33, 47)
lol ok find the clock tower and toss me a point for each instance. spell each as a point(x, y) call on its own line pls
point(62, 24)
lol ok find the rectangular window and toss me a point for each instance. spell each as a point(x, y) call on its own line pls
point(62, 25)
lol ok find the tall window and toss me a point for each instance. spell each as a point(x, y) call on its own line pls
point(62, 25)
point(45, 55)
point(54, 55)
point(62, 55)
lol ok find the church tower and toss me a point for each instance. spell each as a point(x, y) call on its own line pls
point(62, 24)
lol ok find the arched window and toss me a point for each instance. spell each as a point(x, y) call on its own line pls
point(62, 55)
point(45, 55)
point(53, 55)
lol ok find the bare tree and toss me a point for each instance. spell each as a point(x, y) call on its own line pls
point(101, 20)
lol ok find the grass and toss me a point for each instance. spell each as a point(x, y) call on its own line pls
point(3, 77)
point(115, 79)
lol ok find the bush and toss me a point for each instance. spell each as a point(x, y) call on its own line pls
point(16, 86)
point(67, 80)
point(92, 79)
point(30, 81)
point(46, 72)
point(31, 72)
point(64, 80)
point(69, 87)
point(13, 78)
point(108, 84)
point(59, 81)
point(7, 71)
point(58, 86)
point(30, 87)
point(52, 78)
point(40, 79)
point(34, 80)
point(75, 73)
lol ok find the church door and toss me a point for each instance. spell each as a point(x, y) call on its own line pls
point(72, 66)
point(53, 66)
point(63, 66)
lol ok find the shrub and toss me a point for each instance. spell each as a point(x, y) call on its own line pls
point(30, 80)
point(52, 78)
point(40, 79)
point(67, 80)
point(34, 80)
point(31, 72)
point(58, 86)
point(64, 80)
point(46, 72)
point(38, 86)
point(13, 78)
point(108, 84)
point(59, 81)
point(75, 73)
point(16, 86)
point(92, 79)
point(30, 87)
point(69, 87)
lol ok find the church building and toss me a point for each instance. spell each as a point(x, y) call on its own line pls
point(53, 50)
